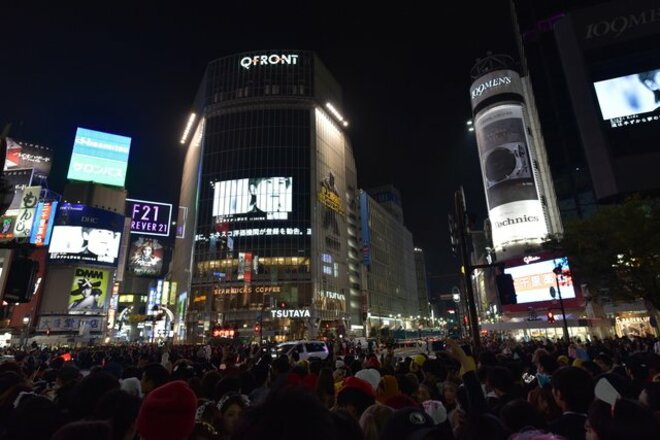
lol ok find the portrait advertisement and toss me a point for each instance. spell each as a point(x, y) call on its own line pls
point(146, 257)
point(88, 290)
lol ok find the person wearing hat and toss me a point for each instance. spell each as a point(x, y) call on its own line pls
point(371, 375)
point(410, 424)
point(89, 293)
point(168, 412)
point(355, 396)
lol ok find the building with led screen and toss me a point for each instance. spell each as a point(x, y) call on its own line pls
point(517, 181)
point(268, 204)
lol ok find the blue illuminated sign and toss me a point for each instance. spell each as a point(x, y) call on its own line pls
point(99, 157)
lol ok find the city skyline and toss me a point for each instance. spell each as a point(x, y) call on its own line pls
point(134, 73)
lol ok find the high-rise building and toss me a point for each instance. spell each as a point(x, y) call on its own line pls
point(594, 72)
point(593, 68)
point(388, 256)
point(267, 235)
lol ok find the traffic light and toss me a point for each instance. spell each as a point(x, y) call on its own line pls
point(506, 289)
point(465, 320)
point(282, 305)
point(257, 328)
point(551, 317)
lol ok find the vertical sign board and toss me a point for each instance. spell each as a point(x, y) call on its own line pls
point(99, 157)
point(26, 213)
point(44, 218)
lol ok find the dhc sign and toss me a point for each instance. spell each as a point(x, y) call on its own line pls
point(258, 60)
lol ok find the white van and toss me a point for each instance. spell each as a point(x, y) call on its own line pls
point(305, 349)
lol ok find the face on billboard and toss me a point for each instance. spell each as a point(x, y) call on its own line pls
point(629, 95)
point(78, 243)
point(533, 281)
point(265, 198)
point(146, 257)
point(99, 157)
point(88, 290)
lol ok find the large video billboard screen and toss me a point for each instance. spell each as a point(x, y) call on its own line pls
point(85, 234)
point(21, 155)
point(149, 218)
point(146, 256)
point(533, 281)
point(99, 157)
point(263, 198)
point(88, 290)
point(623, 98)
point(515, 211)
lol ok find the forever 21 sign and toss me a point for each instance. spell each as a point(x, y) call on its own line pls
point(149, 218)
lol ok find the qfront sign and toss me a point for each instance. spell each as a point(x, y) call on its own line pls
point(291, 313)
point(149, 218)
point(262, 60)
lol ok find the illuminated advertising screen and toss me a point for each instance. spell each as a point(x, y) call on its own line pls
point(146, 256)
point(88, 290)
point(21, 155)
point(43, 223)
point(99, 157)
point(533, 281)
point(19, 179)
point(85, 234)
point(630, 99)
point(263, 198)
point(515, 211)
point(149, 218)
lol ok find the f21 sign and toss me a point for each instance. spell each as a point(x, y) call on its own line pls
point(149, 218)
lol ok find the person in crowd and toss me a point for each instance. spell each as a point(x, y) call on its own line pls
point(626, 419)
point(84, 430)
point(544, 403)
point(373, 420)
point(434, 374)
point(168, 412)
point(230, 408)
point(573, 390)
point(325, 387)
point(153, 376)
point(120, 409)
point(355, 396)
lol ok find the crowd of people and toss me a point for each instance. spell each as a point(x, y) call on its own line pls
point(541, 390)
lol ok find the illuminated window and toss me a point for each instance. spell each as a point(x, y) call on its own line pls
point(327, 270)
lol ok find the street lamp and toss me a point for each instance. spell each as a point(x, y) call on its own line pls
point(558, 271)
point(26, 322)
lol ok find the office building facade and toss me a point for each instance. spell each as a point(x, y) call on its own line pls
point(268, 205)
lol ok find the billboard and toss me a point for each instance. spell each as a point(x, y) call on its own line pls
point(99, 157)
point(85, 234)
point(44, 218)
point(19, 179)
point(533, 281)
point(26, 214)
point(146, 256)
point(21, 155)
point(625, 97)
point(88, 290)
point(149, 218)
point(515, 211)
point(262, 198)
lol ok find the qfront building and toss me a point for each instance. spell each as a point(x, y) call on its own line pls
point(267, 234)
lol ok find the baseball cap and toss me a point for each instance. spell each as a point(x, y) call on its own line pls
point(409, 424)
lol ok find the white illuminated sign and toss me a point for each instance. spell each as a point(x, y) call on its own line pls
point(292, 313)
point(261, 60)
point(489, 84)
point(528, 259)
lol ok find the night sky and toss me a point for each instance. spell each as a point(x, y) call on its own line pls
point(134, 70)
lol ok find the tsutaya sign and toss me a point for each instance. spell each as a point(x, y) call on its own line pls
point(291, 313)
point(258, 60)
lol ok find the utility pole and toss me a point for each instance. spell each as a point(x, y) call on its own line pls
point(459, 205)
